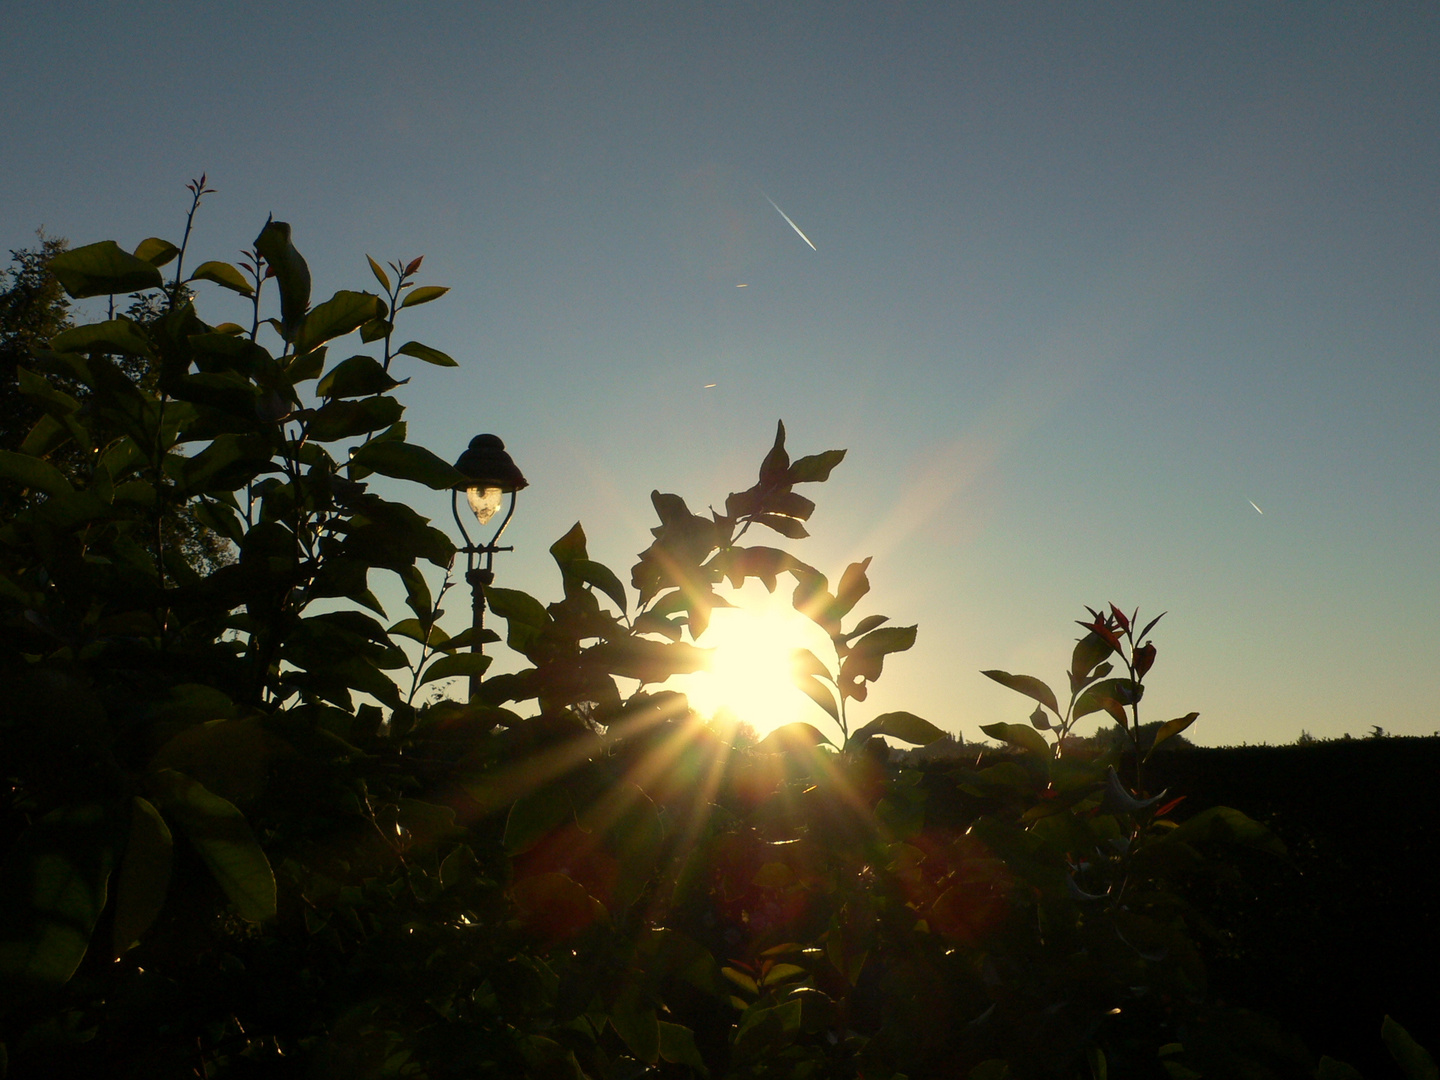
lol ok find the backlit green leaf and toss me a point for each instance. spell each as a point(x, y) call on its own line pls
point(1170, 728)
point(788, 737)
point(533, 816)
point(291, 272)
point(380, 275)
point(636, 1023)
point(904, 726)
point(103, 269)
point(224, 275)
point(155, 251)
point(1026, 738)
point(1027, 685)
point(423, 295)
point(677, 1046)
point(814, 468)
point(1120, 692)
point(343, 313)
point(223, 839)
point(406, 461)
point(1414, 1060)
point(359, 376)
point(448, 667)
point(55, 881)
point(426, 353)
point(33, 473)
point(144, 876)
point(111, 336)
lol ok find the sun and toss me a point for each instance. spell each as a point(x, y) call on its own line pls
point(750, 675)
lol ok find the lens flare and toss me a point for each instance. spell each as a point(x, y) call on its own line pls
point(750, 678)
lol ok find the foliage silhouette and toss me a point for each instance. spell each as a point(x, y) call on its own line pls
point(240, 842)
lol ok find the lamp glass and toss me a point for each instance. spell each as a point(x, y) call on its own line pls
point(484, 501)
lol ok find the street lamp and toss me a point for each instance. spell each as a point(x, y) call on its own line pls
point(489, 475)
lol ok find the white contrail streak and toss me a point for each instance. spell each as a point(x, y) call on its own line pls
point(1257, 509)
point(791, 223)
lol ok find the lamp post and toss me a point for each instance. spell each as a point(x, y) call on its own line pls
point(489, 475)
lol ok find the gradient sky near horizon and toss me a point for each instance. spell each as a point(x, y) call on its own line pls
point(1087, 280)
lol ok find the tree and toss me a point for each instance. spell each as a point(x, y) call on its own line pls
point(239, 838)
point(33, 309)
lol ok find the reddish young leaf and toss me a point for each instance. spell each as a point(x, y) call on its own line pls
point(1100, 627)
point(413, 265)
point(1170, 805)
point(1120, 618)
point(1144, 659)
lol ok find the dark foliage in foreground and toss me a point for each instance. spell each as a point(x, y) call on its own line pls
point(239, 841)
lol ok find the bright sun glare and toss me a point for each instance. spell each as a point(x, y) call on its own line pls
point(750, 675)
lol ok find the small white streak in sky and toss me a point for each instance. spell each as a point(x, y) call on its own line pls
point(710, 386)
point(1257, 509)
point(744, 286)
point(792, 224)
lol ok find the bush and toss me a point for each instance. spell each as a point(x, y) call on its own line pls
point(242, 842)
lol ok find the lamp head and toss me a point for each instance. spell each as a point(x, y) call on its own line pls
point(488, 473)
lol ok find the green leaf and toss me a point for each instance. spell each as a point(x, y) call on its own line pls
point(990, 1069)
point(775, 468)
point(534, 815)
point(112, 336)
point(144, 876)
point(380, 275)
point(1224, 824)
point(1090, 650)
point(1027, 685)
point(224, 275)
point(417, 593)
point(648, 661)
point(406, 461)
point(345, 419)
point(1120, 692)
point(222, 838)
point(787, 737)
point(1026, 738)
point(854, 584)
point(1170, 728)
point(865, 625)
point(1414, 1060)
point(448, 667)
point(601, 577)
point(155, 251)
point(34, 473)
point(819, 693)
point(291, 272)
point(814, 468)
point(866, 659)
point(359, 376)
point(55, 880)
point(103, 269)
point(423, 295)
point(426, 353)
point(805, 662)
point(342, 314)
point(677, 1046)
point(785, 526)
point(1330, 1069)
point(636, 1023)
point(904, 726)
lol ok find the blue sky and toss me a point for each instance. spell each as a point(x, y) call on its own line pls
point(1088, 278)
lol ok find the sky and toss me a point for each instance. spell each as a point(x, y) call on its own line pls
point(1087, 280)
